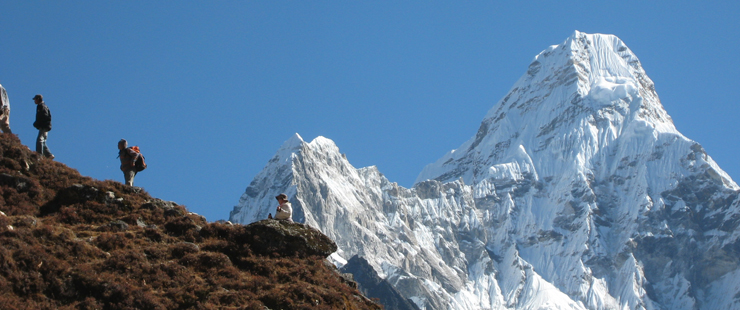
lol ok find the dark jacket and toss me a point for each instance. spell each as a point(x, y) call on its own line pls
point(43, 117)
point(128, 158)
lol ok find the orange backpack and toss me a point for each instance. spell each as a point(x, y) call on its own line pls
point(139, 164)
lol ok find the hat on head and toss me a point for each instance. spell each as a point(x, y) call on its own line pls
point(282, 196)
point(122, 142)
point(38, 96)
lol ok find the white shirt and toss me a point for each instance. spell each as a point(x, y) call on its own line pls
point(284, 212)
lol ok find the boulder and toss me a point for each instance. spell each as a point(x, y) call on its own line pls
point(284, 238)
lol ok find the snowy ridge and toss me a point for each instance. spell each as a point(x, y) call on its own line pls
point(577, 192)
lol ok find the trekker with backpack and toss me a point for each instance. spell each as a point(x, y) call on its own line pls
point(131, 161)
point(43, 124)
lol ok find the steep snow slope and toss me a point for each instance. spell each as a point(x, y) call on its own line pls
point(577, 192)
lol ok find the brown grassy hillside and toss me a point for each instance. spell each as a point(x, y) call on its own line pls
point(72, 242)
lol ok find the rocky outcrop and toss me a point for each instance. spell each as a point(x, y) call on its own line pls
point(270, 237)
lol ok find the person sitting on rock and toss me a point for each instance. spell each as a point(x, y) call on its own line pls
point(284, 209)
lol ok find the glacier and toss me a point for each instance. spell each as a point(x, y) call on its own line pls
point(577, 192)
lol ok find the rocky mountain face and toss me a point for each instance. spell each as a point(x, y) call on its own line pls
point(577, 192)
point(372, 285)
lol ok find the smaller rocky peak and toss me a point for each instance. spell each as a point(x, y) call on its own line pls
point(322, 146)
point(325, 155)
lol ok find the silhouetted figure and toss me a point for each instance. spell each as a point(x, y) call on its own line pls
point(43, 124)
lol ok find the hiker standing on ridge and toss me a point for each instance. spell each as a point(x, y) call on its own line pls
point(284, 210)
point(43, 124)
point(4, 110)
point(128, 158)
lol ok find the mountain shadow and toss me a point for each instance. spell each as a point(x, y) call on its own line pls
point(374, 286)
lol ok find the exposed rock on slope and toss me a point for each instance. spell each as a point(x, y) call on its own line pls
point(288, 239)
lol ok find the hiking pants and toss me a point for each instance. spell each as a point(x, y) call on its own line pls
point(41, 147)
point(129, 175)
point(5, 121)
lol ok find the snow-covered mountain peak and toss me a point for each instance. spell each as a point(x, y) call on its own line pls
point(574, 100)
point(605, 71)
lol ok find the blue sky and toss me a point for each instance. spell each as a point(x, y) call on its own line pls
point(210, 89)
